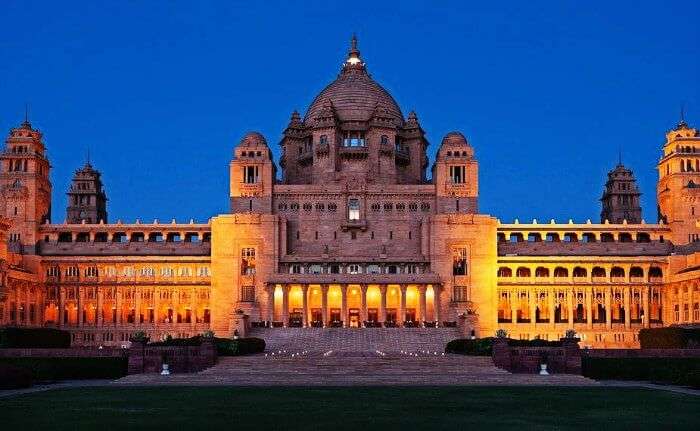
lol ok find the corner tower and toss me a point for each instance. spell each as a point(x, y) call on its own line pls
point(620, 199)
point(678, 188)
point(252, 174)
point(25, 188)
point(456, 176)
point(87, 201)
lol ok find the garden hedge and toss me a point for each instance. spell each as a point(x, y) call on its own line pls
point(241, 346)
point(72, 368)
point(669, 338)
point(678, 371)
point(38, 338)
point(484, 346)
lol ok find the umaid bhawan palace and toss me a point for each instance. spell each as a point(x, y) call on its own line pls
point(353, 232)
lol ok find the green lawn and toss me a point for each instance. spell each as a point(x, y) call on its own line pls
point(360, 408)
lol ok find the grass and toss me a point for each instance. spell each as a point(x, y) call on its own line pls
point(356, 408)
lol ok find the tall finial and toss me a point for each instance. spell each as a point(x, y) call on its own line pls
point(682, 124)
point(353, 53)
point(26, 123)
point(619, 155)
point(87, 156)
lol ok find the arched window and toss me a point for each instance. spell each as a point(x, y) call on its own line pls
point(580, 272)
point(643, 237)
point(655, 273)
point(588, 237)
point(606, 237)
point(636, 272)
point(534, 237)
point(598, 271)
point(617, 272)
point(384, 140)
point(541, 272)
point(354, 209)
point(561, 272)
point(504, 271)
point(522, 272)
point(625, 237)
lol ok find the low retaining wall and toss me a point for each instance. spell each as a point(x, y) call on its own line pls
point(180, 359)
point(642, 353)
point(559, 360)
point(73, 352)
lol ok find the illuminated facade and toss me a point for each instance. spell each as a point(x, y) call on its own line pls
point(350, 233)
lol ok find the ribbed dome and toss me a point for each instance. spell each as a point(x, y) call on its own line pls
point(253, 139)
point(454, 138)
point(354, 95)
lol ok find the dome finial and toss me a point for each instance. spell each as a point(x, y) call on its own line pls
point(353, 53)
point(26, 124)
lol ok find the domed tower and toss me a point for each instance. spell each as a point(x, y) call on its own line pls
point(456, 175)
point(252, 174)
point(87, 200)
point(354, 131)
point(678, 188)
point(25, 186)
point(620, 199)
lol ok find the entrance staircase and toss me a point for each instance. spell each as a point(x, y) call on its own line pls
point(356, 339)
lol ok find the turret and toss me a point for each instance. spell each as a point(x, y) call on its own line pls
point(25, 189)
point(87, 200)
point(252, 175)
point(620, 200)
point(678, 189)
point(456, 176)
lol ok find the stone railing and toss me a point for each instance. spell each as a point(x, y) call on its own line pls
point(560, 360)
point(180, 359)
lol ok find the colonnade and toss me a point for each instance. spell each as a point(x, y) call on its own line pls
point(407, 304)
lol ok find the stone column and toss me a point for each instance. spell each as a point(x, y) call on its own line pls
point(570, 305)
point(532, 305)
point(382, 306)
point(401, 318)
point(628, 318)
point(344, 304)
point(324, 304)
point(118, 305)
point(514, 305)
point(608, 307)
point(80, 306)
point(589, 307)
point(137, 306)
point(550, 305)
point(99, 319)
point(61, 305)
point(363, 309)
point(305, 304)
point(285, 304)
point(156, 304)
point(270, 289)
point(422, 302)
point(645, 306)
point(436, 292)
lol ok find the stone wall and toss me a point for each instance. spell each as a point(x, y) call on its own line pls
point(180, 359)
point(527, 360)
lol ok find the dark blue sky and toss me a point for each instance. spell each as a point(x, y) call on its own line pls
point(161, 92)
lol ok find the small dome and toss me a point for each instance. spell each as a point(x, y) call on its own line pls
point(454, 144)
point(253, 139)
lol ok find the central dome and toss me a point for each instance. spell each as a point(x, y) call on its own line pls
point(354, 95)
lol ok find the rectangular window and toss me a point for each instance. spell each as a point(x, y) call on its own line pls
point(248, 261)
point(459, 261)
point(457, 174)
point(460, 293)
point(353, 209)
point(248, 293)
point(250, 174)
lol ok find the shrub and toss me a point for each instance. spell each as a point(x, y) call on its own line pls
point(71, 368)
point(14, 377)
point(679, 371)
point(501, 333)
point(476, 347)
point(192, 341)
point(537, 342)
point(241, 346)
point(38, 338)
point(669, 338)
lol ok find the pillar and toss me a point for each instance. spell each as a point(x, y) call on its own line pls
point(608, 307)
point(270, 289)
point(305, 304)
point(99, 319)
point(402, 307)
point(344, 304)
point(436, 301)
point(137, 306)
point(61, 305)
point(645, 305)
point(80, 306)
point(324, 304)
point(514, 305)
point(570, 305)
point(626, 298)
point(363, 309)
point(285, 304)
point(532, 304)
point(156, 305)
point(382, 305)
point(118, 305)
point(550, 305)
point(422, 302)
point(589, 307)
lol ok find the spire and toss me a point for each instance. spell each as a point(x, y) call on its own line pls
point(26, 124)
point(682, 124)
point(353, 61)
point(619, 156)
point(87, 157)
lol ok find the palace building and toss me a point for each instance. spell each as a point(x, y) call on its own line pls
point(352, 231)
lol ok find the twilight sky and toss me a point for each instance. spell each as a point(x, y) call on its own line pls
point(161, 92)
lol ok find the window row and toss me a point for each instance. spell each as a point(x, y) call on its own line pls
point(354, 268)
point(123, 237)
point(389, 206)
point(127, 271)
point(307, 206)
point(641, 237)
point(635, 272)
